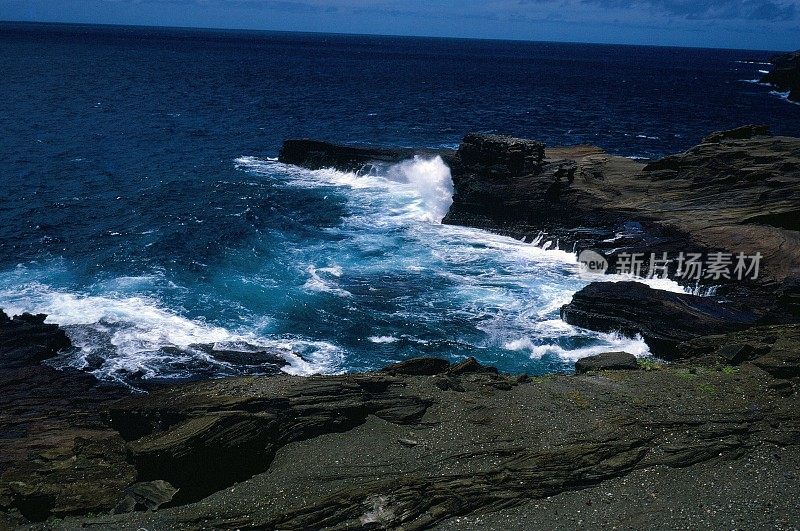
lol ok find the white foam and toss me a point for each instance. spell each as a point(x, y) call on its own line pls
point(423, 186)
point(319, 284)
point(138, 328)
point(608, 343)
point(383, 339)
point(784, 96)
point(431, 180)
point(665, 284)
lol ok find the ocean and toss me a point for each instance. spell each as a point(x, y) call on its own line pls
point(142, 206)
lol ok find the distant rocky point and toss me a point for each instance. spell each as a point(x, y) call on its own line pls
point(785, 74)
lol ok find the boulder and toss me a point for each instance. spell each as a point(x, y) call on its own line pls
point(471, 365)
point(663, 318)
point(607, 361)
point(146, 495)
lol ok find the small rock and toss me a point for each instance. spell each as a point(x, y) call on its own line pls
point(500, 385)
point(410, 443)
point(471, 365)
point(782, 387)
point(736, 353)
point(149, 495)
point(419, 367)
point(607, 361)
point(446, 383)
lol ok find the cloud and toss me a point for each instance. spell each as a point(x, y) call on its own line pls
point(763, 10)
point(755, 10)
point(287, 6)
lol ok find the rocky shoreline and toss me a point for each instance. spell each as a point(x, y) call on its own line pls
point(785, 75)
point(426, 442)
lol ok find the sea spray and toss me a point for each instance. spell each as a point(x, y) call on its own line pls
point(431, 180)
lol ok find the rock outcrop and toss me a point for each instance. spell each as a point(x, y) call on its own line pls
point(315, 155)
point(785, 74)
point(205, 437)
point(58, 455)
point(26, 340)
point(504, 184)
point(744, 132)
point(663, 318)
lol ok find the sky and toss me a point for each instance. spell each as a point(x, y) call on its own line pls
point(748, 24)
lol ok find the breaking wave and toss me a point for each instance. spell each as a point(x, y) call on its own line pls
point(381, 280)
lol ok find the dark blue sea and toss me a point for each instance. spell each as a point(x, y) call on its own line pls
point(142, 207)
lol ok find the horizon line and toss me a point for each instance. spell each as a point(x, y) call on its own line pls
point(351, 34)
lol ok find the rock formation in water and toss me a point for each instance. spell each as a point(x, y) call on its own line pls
point(736, 192)
point(316, 154)
point(663, 318)
point(785, 74)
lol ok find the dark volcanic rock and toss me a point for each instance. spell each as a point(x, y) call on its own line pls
point(740, 133)
point(419, 366)
point(204, 437)
point(498, 157)
point(57, 454)
point(607, 361)
point(381, 451)
point(315, 154)
point(147, 495)
point(471, 365)
point(271, 360)
point(664, 319)
point(26, 340)
point(776, 349)
point(785, 74)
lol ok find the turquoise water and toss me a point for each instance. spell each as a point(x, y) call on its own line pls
point(143, 209)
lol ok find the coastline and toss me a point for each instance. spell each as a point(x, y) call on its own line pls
point(425, 442)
